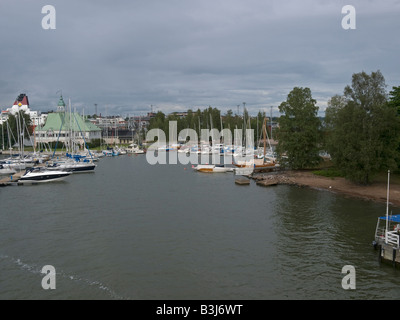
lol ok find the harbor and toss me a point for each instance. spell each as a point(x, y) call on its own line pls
point(188, 153)
point(102, 228)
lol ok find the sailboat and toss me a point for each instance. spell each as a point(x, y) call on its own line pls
point(214, 168)
point(6, 170)
point(72, 166)
point(259, 163)
point(73, 162)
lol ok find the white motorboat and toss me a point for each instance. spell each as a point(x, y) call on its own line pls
point(134, 148)
point(213, 168)
point(40, 175)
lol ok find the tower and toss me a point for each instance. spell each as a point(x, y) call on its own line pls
point(61, 105)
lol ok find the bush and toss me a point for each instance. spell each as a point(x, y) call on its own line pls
point(329, 172)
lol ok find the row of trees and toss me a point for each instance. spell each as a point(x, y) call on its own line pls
point(361, 131)
point(207, 119)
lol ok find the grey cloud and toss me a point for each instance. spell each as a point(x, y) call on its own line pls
point(179, 54)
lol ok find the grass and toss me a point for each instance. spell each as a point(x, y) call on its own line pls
point(329, 172)
point(332, 172)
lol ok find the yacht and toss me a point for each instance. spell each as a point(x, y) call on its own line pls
point(40, 175)
point(6, 170)
point(134, 148)
point(73, 166)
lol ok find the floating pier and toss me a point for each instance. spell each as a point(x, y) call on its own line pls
point(11, 179)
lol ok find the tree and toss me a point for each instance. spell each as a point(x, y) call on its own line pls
point(299, 130)
point(394, 99)
point(362, 129)
point(394, 102)
point(19, 122)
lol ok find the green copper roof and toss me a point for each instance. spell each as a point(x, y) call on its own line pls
point(65, 121)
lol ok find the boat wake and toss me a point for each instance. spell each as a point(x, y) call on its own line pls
point(35, 269)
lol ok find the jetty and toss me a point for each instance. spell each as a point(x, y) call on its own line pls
point(387, 235)
point(11, 179)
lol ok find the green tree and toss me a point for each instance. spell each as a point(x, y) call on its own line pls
point(20, 121)
point(394, 99)
point(299, 130)
point(362, 129)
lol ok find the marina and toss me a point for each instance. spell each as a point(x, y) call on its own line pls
point(184, 151)
point(139, 243)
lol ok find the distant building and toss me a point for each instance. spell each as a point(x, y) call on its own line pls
point(22, 104)
point(66, 127)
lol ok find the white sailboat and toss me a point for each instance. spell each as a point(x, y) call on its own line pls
point(214, 168)
point(259, 163)
point(6, 170)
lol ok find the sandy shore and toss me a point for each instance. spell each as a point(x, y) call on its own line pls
point(375, 191)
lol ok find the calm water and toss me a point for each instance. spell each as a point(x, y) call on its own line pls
point(136, 231)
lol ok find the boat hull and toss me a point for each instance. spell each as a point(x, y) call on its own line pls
point(43, 178)
point(41, 175)
point(213, 168)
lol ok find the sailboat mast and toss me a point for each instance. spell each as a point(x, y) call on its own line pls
point(2, 135)
point(265, 136)
point(387, 209)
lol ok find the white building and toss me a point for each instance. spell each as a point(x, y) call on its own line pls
point(22, 104)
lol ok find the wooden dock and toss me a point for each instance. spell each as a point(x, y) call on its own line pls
point(11, 179)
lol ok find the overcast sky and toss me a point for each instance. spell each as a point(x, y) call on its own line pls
point(127, 55)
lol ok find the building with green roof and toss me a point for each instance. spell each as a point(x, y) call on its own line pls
point(67, 127)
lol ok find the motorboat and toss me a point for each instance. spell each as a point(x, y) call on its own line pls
point(212, 168)
point(41, 175)
point(134, 148)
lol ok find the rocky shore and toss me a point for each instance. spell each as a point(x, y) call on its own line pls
point(376, 191)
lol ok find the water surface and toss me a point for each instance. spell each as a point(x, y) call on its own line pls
point(135, 231)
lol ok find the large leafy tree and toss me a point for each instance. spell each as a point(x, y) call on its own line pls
point(299, 130)
point(362, 128)
point(394, 102)
point(394, 99)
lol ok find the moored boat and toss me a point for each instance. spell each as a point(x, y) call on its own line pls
point(212, 168)
point(6, 170)
point(41, 175)
point(74, 167)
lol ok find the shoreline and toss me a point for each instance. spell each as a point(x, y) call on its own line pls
point(376, 191)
